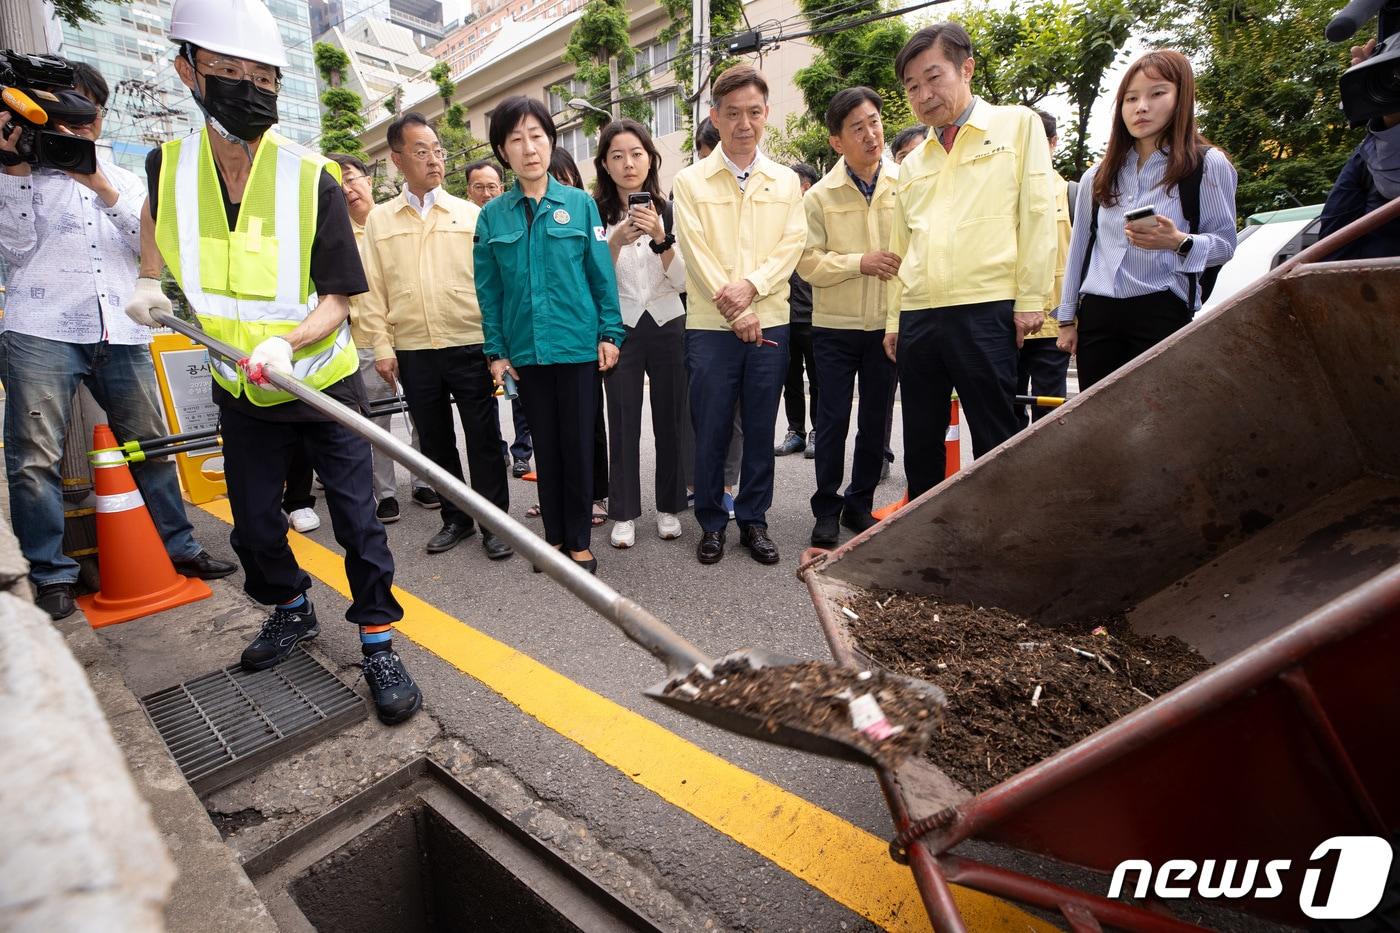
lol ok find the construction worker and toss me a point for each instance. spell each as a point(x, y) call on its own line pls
point(848, 262)
point(962, 304)
point(255, 230)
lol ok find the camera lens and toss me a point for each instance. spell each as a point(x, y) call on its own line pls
point(1385, 86)
point(70, 153)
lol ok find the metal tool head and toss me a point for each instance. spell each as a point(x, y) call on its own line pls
point(808, 738)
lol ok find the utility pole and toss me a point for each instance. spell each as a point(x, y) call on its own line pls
point(25, 27)
point(699, 35)
point(615, 88)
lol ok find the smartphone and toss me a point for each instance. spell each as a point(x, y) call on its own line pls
point(638, 199)
point(507, 388)
point(1142, 218)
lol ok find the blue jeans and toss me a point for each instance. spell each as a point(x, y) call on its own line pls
point(40, 379)
point(725, 372)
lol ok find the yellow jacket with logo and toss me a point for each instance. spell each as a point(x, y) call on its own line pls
point(422, 288)
point(976, 224)
point(1062, 233)
point(726, 235)
point(841, 228)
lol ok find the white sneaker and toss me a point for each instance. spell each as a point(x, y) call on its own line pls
point(668, 526)
point(624, 534)
point(304, 520)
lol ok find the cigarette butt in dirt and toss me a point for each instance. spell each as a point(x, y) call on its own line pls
point(942, 666)
point(864, 675)
point(1100, 631)
point(869, 720)
point(689, 690)
point(849, 614)
point(1029, 645)
point(1087, 655)
point(935, 617)
point(705, 671)
point(1035, 697)
point(1226, 596)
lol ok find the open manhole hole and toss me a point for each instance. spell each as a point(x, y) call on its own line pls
point(420, 853)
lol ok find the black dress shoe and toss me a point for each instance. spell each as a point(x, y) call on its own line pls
point(449, 536)
point(858, 521)
point(496, 548)
point(711, 547)
point(519, 467)
point(205, 566)
point(761, 547)
point(56, 599)
point(591, 565)
point(826, 532)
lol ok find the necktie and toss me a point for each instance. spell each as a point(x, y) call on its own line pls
point(950, 132)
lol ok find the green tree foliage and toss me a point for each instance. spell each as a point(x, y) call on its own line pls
point(725, 17)
point(848, 56)
point(802, 139)
point(1027, 53)
point(461, 146)
point(1267, 94)
point(600, 36)
point(341, 121)
point(76, 12)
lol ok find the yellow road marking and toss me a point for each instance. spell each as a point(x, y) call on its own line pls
point(843, 861)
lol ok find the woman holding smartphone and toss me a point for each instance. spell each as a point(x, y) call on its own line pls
point(650, 279)
point(549, 314)
point(1132, 277)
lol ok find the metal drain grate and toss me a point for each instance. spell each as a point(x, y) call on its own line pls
point(228, 724)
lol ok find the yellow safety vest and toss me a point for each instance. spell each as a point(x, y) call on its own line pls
point(252, 282)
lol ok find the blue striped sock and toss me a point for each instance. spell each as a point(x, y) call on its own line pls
point(294, 604)
point(376, 638)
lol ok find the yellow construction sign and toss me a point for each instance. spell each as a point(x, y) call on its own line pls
point(182, 369)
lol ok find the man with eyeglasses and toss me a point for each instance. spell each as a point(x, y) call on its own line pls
point(355, 181)
point(255, 230)
point(485, 181)
point(422, 316)
point(71, 242)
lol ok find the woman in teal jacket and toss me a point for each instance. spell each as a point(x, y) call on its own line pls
point(549, 311)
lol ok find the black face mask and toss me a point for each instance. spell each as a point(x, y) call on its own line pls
point(241, 107)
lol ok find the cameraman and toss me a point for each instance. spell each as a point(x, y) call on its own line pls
point(1369, 180)
point(71, 242)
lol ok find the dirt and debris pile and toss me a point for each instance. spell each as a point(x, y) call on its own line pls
point(821, 698)
point(1017, 692)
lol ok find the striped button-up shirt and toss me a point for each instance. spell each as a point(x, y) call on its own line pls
point(1117, 269)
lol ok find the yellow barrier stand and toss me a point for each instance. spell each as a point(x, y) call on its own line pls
point(182, 369)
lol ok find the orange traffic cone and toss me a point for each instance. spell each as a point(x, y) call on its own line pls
point(952, 460)
point(138, 578)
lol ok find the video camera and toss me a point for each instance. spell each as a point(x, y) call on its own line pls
point(38, 91)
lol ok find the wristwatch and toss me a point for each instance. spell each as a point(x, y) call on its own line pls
point(1186, 245)
point(607, 340)
point(659, 248)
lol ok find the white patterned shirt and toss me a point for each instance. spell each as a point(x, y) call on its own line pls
point(72, 260)
point(643, 287)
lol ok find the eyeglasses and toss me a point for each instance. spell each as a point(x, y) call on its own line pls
point(263, 77)
point(422, 155)
point(484, 187)
point(347, 180)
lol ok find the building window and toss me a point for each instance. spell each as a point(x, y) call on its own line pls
point(666, 114)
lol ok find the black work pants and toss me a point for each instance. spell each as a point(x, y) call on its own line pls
point(257, 456)
point(432, 379)
point(845, 356)
point(298, 494)
point(970, 348)
point(800, 355)
point(1041, 369)
point(1115, 331)
point(654, 353)
point(561, 403)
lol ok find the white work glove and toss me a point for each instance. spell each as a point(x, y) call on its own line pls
point(146, 301)
point(274, 353)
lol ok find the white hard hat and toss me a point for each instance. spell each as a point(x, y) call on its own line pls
point(241, 28)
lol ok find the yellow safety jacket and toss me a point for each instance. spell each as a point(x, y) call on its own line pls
point(252, 282)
